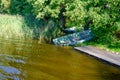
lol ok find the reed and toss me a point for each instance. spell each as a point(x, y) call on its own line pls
point(14, 26)
point(27, 27)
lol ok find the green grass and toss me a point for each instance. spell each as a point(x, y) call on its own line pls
point(108, 48)
point(112, 47)
point(13, 26)
point(27, 27)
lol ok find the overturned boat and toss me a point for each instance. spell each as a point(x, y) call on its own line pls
point(73, 39)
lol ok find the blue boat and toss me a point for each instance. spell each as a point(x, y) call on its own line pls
point(73, 39)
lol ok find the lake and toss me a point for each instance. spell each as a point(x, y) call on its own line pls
point(29, 60)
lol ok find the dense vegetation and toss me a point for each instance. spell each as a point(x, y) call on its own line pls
point(102, 16)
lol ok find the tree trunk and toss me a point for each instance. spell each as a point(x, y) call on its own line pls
point(62, 18)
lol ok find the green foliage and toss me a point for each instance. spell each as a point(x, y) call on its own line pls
point(75, 13)
point(72, 10)
point(14, 27)
point(105, 15)
point(4, 6)
point(20, 7)
point(102, 16)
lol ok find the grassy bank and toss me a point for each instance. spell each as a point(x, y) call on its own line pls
point(112, 47)
point(26, 27)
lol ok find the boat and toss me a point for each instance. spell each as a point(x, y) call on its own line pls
point(70, 30)
point(74, 38)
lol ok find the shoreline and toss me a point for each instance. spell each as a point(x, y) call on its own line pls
point(107, 49)
point(103, 55)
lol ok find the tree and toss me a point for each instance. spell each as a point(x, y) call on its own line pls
point(106, 18)
point(67, 12)
point(21, 7)
point(102, 16)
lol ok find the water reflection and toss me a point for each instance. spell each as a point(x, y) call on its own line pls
point(28, 60)
point(11, 58)
point(7, 70)
point(10, 70)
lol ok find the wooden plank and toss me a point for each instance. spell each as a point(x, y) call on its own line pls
point(106, 56)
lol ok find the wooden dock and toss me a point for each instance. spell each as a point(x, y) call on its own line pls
point(103, 55)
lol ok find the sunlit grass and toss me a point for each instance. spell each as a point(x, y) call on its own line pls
point(22, 27)
point(14, 27)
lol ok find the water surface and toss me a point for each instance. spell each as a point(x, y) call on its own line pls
point(29, 60)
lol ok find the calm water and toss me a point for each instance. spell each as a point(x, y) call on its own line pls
point(28, 60)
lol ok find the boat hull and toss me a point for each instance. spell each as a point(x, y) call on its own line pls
point(73, 39)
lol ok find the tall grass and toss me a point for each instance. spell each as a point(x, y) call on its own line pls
point(14, 27)
point(21, 27)
point(49, 31)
